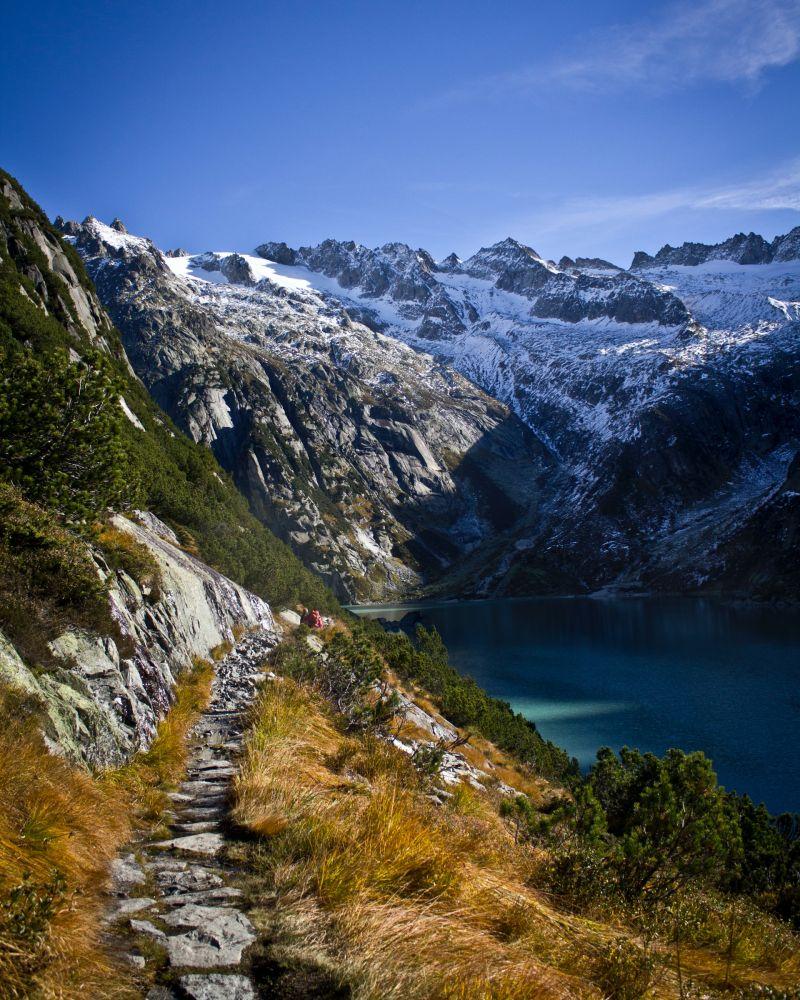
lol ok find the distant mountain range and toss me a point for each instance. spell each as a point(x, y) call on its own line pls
point(498, 425)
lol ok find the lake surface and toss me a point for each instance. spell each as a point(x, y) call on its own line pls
point(649, 673)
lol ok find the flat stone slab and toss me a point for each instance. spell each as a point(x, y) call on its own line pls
point(195, 788)
point(213, 773)
point(126, 872)
point(145, 927)
point(214, 765)
point(217, 937)
point(125, 907)
point(217, 986)
point(201, 826)
point(189, 880)
point(203, 812)
point(208, 844)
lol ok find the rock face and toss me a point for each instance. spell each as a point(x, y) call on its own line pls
point(105, 700)
point(662, 404)
point(740, 249)
point(79, 308)
point(379, 465)
point(667, 397)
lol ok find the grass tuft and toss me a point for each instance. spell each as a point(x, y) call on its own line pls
point(59, 831)
point(60, 828)
point(122, 551)
point(371, 877)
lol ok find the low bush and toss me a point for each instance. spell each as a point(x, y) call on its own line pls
point(48, 580)
point(425, 662)
point(623, 970)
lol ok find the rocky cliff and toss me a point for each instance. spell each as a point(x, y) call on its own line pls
point(104, 694)
point(657, 402)
point(667, 396)
point(378, 464)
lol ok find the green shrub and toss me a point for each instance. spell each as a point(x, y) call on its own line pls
point(48, 579)
point(425, 662)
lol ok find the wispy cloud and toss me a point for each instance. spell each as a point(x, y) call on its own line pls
point(778, 189)
point(722, 41)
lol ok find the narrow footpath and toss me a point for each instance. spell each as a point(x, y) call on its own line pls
point(172, 900)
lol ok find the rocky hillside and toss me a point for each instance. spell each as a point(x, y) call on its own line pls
point(379, 465)
point(667, 395)
point(99, 613)
point(103, 694)
point(660, 404)
point(79, 431)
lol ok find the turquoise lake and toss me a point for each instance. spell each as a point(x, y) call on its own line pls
point(649, 673)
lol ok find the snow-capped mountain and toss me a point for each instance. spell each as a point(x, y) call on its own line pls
point(378, 464)
point(663, 401)
point(667, 394)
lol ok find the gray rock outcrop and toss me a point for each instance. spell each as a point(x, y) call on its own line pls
point(105, 698)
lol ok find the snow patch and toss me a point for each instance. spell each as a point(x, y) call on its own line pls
point(130, 414)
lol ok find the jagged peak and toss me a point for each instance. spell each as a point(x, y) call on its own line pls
point(587, 263)
point(277, 252)
point(513, 245)
point(741, 248)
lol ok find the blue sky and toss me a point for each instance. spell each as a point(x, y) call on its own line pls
point(579, 127)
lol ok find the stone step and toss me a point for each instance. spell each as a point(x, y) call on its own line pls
point(216, 936)
point(190, 880)
point(194, 788)
point(217, 986)
point(205, 812)
point(221, 894)
point(209, 844)
point(201, 826)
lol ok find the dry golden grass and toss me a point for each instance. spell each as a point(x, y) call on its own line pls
point(397, 898)
point(416, 901)
point(123, 551)
point(60, 828)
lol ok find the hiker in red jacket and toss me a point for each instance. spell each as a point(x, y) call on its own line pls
point(313, 619)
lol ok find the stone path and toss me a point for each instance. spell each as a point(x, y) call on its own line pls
point(174, 895)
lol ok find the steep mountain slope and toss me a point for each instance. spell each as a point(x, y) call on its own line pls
point(668, 394)
point(379, 465)
point(662, 403)
point(52, 326)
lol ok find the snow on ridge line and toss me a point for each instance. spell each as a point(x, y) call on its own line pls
point(292, 277)
point(114, 238)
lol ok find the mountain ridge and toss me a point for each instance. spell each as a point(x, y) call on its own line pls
point(653, 398)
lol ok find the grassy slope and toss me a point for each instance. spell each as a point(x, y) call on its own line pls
point(368, 886)
point(60, 828)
